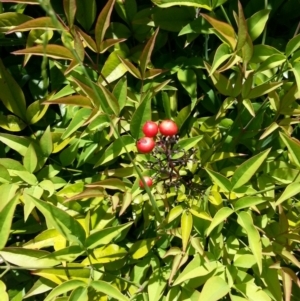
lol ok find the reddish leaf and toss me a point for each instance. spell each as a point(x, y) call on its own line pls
point(38, 23)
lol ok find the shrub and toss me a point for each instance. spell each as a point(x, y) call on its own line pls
point(78, 81)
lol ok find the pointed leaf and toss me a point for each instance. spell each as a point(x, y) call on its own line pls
point(146, 53)
point(11, 94)
point(242, 28)
point(108, 289)
point(67, 225)
point(219, 180)
point(219, 217)
point(131, 68)
point(214, 289)
point(247, 169)
point(103, 22)
point(245, 220)
point(257, 22)
point(75, 100)
point(293, 146)
point(290, 191)
point(186, 228)
point(70, 10)
point(36, 23)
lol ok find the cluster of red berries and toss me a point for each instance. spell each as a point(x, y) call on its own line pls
point(146, 144)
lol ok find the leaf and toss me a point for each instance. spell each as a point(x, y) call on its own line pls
point(12, 123)
point(78, 120)
point(117, 149)
point(247, 202)
point(246, 222)
point(6, 217)
point(188, 79)
point(65, 224)
point(263, 89)
point(64, 288)
point(221, 55)
point(120, 92)
point(70, 8)
point(27, 258)
point(35, 112)
point(142, 247)
point(108, 289)
point(257, 22)
point(290, 191)
point(242, 28)
point(73, 100)
point(296, 71)
point(86, 13)
point(246, 170)
point(219, 217)
point(195, 3)
point(105, 236)
point(11, 94)
point(146, 53)
point(111, 183)
point(103, 22)
point(79, 293)
point(293, 146)
point(186, 228)
point(224, 29)
point(17, 143)
point(50, 50)
point(8, 20)
point(272, 62)
point(157, 284)
point(219, 180)
point(36, 23)
point(30, 159)
point(214, 289)
point(130, 68)
point(292, 45)
point(140, 116)
point(46, 143)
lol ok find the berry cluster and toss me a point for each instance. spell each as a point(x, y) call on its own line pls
point(168, 158)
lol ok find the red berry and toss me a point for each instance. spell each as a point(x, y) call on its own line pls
point(168, 128)
point(150, 129)
point(148, 181)
point(145, 145)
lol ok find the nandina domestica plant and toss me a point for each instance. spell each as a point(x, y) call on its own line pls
point(150, 129)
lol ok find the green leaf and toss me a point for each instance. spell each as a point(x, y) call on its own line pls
point(64, 223)
point(224, 29)
point(219, 217)
point(246, 222)
point(242, 28)
point(131, 68)
point(186, 228)
point(272, 62)
point(30, 159)
point(290, 191)
point(292, 45)
point(293, 146)
point(46, 143)
point(146, 53)
point(78, 120)
point(116, 149)
point(219, 180)
point(8, 20)
point(103, 22)
point(296, 71)
point(246, 170)
point(27, 258)
point(17, 143)
point(79, 293)
point(188, 143)
point(36, 111)
point(111, 183)
point(120, 92)
point(75, 100)
point(247, 202)
point(142, 247)
point(108, 289)
point(263, 89)
point(6, 217)
point(50, 50)
point(11, 94)
point(214, 289)
point(257, 22)
point(195, 3)
point(157, 284)
point(222, 53)
point(64, 288)
point(188, 79)
point(86, 13)
point(70, 8)
point(105, 236)
point(140, 116)
point(4, 175)
point(12, 123)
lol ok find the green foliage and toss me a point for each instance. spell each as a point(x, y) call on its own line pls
point(78, 79)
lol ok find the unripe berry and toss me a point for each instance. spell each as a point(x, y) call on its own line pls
point(145, 145)
point(148, 181)
point(150, 129)
point(168, 128)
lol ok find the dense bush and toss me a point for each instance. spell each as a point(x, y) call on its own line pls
point(219, 220)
